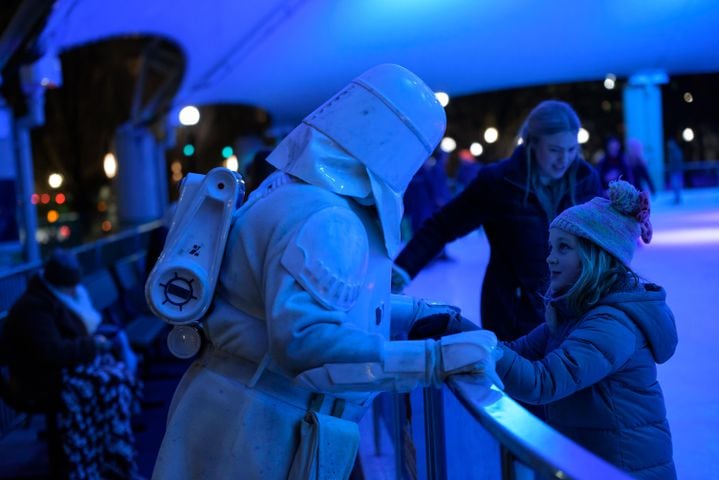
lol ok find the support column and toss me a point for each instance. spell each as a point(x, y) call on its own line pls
point(10, 192)
point(141, 176)
point(26, 184)
point(20, 149)
point(643, 119)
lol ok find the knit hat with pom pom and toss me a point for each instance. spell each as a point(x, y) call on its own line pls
point(613, 224)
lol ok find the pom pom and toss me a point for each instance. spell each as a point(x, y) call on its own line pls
point(624, 197)
point(629, 201)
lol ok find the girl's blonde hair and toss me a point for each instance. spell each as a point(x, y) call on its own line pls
point(601, 274)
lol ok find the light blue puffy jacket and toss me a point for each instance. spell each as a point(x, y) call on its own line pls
point(596, 377)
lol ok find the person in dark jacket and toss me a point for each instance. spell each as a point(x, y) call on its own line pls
point(514, 200)
point(64, 362)
point(592, 365)
point(613, 165)
point(428, 190)
point(640, 177)
point(45, 335)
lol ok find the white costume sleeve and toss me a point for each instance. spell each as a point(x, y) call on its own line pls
point(409, 364)
point(308, 289)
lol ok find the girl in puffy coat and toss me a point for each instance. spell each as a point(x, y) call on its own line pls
point(592, 364)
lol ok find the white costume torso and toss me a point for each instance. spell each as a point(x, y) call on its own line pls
point(261, 308)
point(289, 321)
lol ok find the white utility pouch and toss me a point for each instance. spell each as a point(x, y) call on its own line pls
point(327, 450)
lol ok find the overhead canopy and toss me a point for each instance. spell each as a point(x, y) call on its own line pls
point(288, 56)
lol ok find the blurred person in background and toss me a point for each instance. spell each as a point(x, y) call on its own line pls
point(613, 164)
point(427, 192)
point(675, 166)
point(467, 168)
point(639, 175)
point(65, 361)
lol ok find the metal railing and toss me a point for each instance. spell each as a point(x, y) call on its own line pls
point(456, 437)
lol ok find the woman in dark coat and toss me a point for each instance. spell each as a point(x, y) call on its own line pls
point(514, 200)
point(44, 336)
point(61, 364)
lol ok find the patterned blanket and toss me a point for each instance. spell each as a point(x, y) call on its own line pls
point(94, 423)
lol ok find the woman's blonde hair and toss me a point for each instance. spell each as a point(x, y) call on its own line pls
point(548, 118)
point(601, 274)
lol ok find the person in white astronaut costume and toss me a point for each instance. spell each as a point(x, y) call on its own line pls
point(303, 331)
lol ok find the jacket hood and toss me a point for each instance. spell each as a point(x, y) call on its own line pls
point(646, 307)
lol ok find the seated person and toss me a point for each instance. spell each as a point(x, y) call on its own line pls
point(62, 356)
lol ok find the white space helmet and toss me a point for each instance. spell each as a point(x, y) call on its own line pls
point(368, 141)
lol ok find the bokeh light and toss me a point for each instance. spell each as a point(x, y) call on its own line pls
point(688, 134)
point(232, 163)
point(189, 115)
point(109, 164)
point(491, 135)
point(64, 232)
point(442, 98)
point(610, 81)
point(583, 135)
point(448, 144)
point(55, 180)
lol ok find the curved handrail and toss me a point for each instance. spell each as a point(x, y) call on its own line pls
point(93, 255)
point(532, 441)
point(106, 250)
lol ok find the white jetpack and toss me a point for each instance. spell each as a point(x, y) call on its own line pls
point(181, 286)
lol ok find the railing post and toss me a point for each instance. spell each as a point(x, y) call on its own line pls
point(513, 469)
point(506, 463)
point(398, 416)
point(436, 454)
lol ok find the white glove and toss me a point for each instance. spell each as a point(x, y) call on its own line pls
point(470, 353)
point(467, 353)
